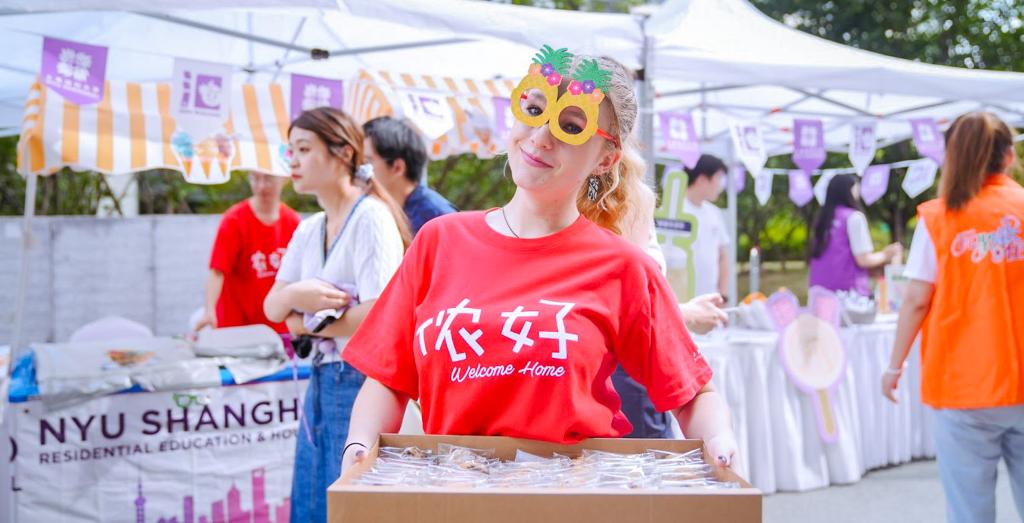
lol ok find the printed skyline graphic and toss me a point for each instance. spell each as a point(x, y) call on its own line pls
point(234, 513)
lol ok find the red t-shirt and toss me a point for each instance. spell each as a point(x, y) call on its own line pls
point(248, 253)
point(499, 336)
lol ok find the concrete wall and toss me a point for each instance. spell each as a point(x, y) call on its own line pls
point(151, 269)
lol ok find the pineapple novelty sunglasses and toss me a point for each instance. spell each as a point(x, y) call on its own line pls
point(585, 93)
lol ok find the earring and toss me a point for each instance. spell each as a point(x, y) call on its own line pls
point(592, 184)
point(504, 170)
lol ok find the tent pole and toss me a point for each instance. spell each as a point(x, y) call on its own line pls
point(647, 104)
point(23, 273)
point(280, 63)
point(732, 222)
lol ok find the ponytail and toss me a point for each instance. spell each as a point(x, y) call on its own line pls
point(976, 146)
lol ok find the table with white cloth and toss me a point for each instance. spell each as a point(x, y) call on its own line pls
point(775, 421)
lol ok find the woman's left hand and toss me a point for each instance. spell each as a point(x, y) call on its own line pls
point(723, 448)
point(890, 381)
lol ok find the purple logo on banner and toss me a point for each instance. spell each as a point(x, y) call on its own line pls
point(310, 92)
point(679, 137)
point(875, 183)
point(209, 92)
point(928, 139)
point(800, 189)
point(76, 71)
point(808, 144)
point(502, 117)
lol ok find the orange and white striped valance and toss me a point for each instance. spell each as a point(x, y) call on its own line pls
point(470, 101)
point(131, 129)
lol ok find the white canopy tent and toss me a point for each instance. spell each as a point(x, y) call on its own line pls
point(721, 59)
point(725, 61)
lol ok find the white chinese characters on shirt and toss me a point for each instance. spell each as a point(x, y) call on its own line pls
point(517, 329)
point(266, 265)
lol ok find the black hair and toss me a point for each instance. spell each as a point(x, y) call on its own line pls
point(394, 139)
point(707, 165)
point(840, 192)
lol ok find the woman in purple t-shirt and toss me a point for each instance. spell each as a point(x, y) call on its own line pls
point(841, 248)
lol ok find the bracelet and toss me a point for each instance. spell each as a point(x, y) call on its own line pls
point(895, 372)
point(345, 451)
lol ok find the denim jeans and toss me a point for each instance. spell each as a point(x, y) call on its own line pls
point(969, 444)
point(636, 405)
point(327, 408)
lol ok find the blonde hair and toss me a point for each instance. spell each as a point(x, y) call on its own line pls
point(976, 146)
point(623, 195)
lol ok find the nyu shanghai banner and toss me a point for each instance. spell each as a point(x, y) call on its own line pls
point(75, 71)
point(200, 97)
point(503, 119)
point(739, 178)
point(875, 183)
point(920, 177)
point(863, 145)
point(749, 144)
point(679, 137)
point(222, 454)
point(800, 189)
point(310, 92)
point(808, 144)
point(928, 139)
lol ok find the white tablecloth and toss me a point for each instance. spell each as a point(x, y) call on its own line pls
point(775, 421)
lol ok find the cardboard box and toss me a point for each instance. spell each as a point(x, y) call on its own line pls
point(348, 503)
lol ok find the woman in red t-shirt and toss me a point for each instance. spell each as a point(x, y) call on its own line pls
point(510, 322)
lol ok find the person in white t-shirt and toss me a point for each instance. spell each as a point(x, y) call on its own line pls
point(709, 250)
point(340, 259)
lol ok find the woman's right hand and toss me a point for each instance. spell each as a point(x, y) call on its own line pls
point(314, 295)
point(209, 319)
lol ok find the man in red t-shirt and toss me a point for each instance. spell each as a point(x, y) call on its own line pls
point(251, 240)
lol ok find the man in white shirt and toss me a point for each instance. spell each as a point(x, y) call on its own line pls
point(711, 262)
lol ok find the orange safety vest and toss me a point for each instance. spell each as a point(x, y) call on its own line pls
point(972, 344)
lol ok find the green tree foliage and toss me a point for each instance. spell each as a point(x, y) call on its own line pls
point(961, 33)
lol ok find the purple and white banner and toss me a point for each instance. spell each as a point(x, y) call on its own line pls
point(863, 145)
point(749, 144)
point(821, 186)
point(800, 190)
point(739, 178)
point(75, 71)
point(928, 139)
point(215, 454)
point(200, 96)
point(310, 92)
point(763, 186)
point(503, 119)
point(428, 111)
point(808, 144)
point(920, 176)
point(875, 183)
point(679, 137)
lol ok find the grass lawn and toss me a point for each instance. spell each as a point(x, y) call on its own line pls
point(773, 277)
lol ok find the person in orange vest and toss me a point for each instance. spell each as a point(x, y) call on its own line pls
point(966, 295)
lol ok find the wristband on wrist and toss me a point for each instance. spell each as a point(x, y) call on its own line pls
point(345, 451)
point(895, 372)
